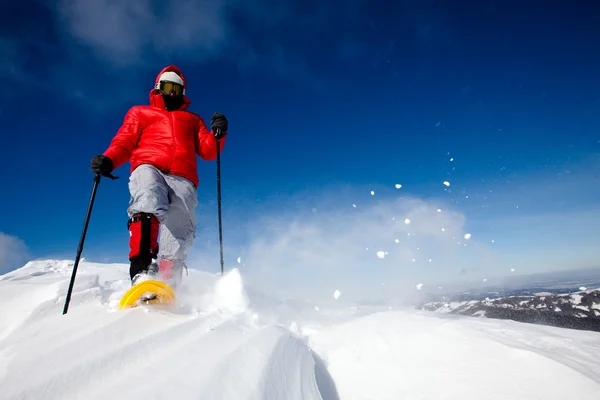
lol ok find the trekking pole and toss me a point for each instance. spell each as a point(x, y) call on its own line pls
point(80, 247)
point(219, 198)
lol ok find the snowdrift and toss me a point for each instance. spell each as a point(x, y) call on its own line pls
point(222, 340)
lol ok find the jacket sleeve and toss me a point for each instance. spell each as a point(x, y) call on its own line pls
point(206, 143)
point(125, 140)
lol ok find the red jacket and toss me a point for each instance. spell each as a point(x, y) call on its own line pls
point(169, 140)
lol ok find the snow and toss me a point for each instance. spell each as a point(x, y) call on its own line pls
point(381, 254)
point(575, 298)
point(398, 186)
point(225, 340)
point(400, 355)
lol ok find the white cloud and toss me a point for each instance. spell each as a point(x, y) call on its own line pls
point(123, 31)
point(296, 250)
point(13, 253)
point(301, 252)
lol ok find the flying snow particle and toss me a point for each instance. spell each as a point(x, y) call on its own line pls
point(512, 270)
point(354, 205)
point(413, 260)
point(493, 241)
point(438, 124)
point(407, 221)
point(430, 260)
point(372, 193)
point(439, 210)
point(419, 286)
point(397, 240)
point(316, 308)
point(336, 294)
point(452, 159)
point(398, 186)
point(485, 279)
point(443, 229)
point(381, 254)
point(239, 260)
point(446, 183)
point(467, 236)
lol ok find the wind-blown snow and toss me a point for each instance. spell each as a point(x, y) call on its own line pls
point(224, 340)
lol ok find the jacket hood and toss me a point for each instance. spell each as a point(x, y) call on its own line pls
point(156, 99)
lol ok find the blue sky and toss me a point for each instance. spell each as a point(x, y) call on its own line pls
point(326, 102)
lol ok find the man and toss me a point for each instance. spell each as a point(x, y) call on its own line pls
point(161, 141)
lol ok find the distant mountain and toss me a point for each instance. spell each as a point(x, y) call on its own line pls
point(579, 310)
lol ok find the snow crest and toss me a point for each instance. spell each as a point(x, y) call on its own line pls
point(223, 340)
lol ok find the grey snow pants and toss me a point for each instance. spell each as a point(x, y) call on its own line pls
point(172, 199)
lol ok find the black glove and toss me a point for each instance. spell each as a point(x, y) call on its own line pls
point(219, 125)
point(102, 165)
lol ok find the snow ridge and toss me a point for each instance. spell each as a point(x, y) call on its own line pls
point(223, 340)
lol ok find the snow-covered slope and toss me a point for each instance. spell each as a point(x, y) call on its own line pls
point(223, 340)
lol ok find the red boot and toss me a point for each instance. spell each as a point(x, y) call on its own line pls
point(143, 243)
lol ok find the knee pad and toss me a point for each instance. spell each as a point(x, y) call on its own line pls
point(143, 237)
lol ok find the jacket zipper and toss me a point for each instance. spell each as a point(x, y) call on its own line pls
point(172, 123)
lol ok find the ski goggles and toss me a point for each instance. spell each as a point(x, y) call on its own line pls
point(167, 87)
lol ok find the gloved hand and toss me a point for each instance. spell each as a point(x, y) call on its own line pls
point(102, 164)
point(219, 125)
